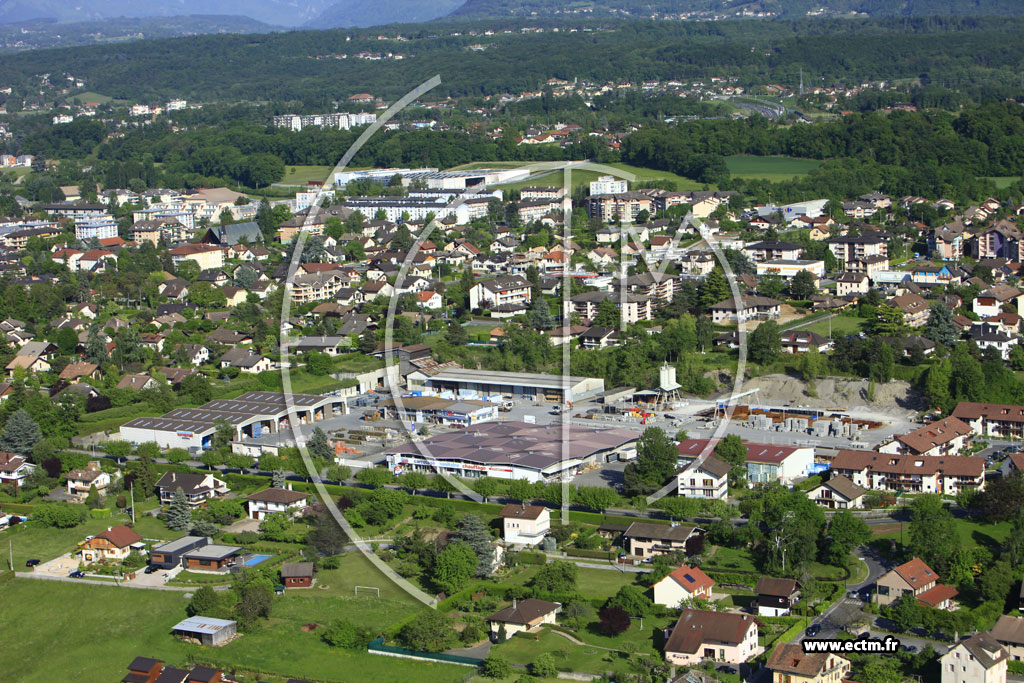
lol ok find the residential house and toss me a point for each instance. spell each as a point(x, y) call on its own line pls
point(992, 419)
point(776, 597)
point(915, 309)
point(14, 469)
point(991, 301)
point(210, 557)
point(512, 289)
point(269, 501)
point(73, 372)
point(803, 341)
point(522, 616)
point(977, 659)
point(1009, 632)
point(851, 283)
point(114, 544)
point(913, 577)
point(942, 437)
point(750, 307)
point(682, 584)
point(847, 248)
point(838, 493)
point(645, 539)
point(709, 479)
point(81, 481)
point(717, 636)
point(196, 487)
point(204, 255)
point(790, 664)
point(137, 382)
point(912, 474)
point(525, 524)
point(772, 251)
point(169, 555)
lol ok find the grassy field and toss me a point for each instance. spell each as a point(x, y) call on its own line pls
point(841, 325)
point(1005, 181)
point(300, 175)
point(775, 168)
point(89, 96)
point(134, 623)
point(972, 534)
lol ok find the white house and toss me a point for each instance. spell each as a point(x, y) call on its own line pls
point(525, 524)
point(684, 583)
point(978, 659)
point(710, 479)
point(269, 501)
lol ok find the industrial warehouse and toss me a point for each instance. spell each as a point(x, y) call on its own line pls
point(483, 384)
point(515, 450)
point(252, 415)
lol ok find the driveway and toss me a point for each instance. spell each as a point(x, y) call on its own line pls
point(156, 579)
point(60, 566)
point(244, 524)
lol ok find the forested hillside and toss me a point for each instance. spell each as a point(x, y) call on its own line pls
point(975, 54)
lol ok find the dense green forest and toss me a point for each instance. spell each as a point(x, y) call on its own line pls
point(931, 153)
point(784, 8)
point(962, 53)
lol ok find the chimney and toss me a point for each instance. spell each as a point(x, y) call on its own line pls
point(514, 603)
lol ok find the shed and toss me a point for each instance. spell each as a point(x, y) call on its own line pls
point(206, 630)
point(297, 574)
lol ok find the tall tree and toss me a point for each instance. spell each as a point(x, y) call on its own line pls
point(764, 343)
point(940, 327)
point(454, 567)
point(933, 535)
point(655, 463)
point(20, 433)
point(731, 450)
point(179, 514)
point(477, 535)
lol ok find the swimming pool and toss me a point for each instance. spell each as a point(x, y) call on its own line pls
point(256, 559)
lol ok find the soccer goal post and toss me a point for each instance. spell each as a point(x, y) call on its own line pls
point(367, 589)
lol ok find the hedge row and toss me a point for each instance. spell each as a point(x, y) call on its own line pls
point(597, 554)
point(528, 557)
point(19, 508)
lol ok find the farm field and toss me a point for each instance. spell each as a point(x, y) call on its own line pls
point(775, 169)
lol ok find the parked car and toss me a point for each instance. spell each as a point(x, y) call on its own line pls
point(150, 568)
point(32, 563)
point(813, 630)
point(910, 648)
point(77, 574)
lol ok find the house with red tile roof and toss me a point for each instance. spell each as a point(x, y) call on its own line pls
point(682, 584)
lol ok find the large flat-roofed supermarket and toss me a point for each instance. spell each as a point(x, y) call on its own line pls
point(515, 450)
point(252, 415)
point(464, 382)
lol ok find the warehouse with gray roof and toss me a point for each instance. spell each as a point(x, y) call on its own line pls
point(467, 383)
point(252, 415)
point(514, 450)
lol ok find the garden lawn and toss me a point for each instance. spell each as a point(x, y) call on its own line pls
point(730, 559)
point(525, 648)
point(841, 325)
point(31, 542)
point(602, 583)
point(972, 534)
point(647, 639)
point(356, 570)
point(773, 168)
